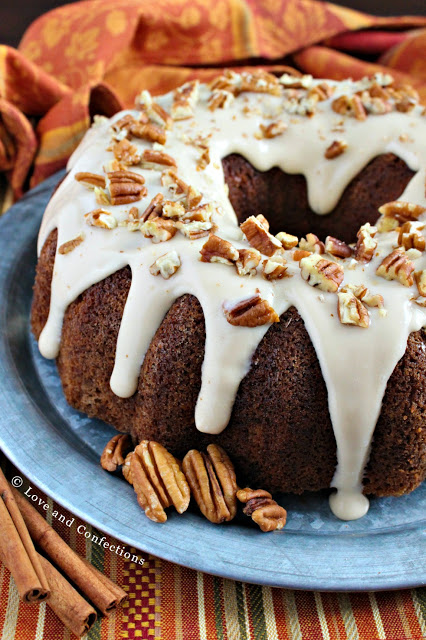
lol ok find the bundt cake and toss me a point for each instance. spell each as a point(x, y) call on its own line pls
point(187, 288)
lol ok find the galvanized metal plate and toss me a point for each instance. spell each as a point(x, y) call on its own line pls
point(59, 449)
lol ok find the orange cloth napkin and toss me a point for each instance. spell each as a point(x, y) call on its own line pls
point(95, 56)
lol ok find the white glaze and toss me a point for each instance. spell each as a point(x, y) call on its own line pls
point(356, 363)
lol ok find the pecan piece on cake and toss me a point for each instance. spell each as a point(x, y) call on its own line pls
point(213, 482)
point(402, 211)
point(126, 187)
point(100, 218)
point(218, 250)
point(70, 245)
point(312, 244)
point(263, 510)
point(259, 237)
point(336, 148)
point(166, 265)
point(251, 312)
point(396, 266)
point(351, 310)
point(366, 245)
point(248, 260)
point(337, 248)
point(409, 237)
point(115, 452)
point(90, 180)
point(157, 480)
point(322, 273)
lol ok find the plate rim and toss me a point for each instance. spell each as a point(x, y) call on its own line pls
point(10, 220)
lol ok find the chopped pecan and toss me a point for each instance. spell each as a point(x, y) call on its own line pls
point(133, 220)
point(218, 250)
point(204, 159)
point(166, 265)
point(337, 248)
point(248, 260)
point(364, 294)
point(213, 482)
point(90, 179)
point(125, 123)
point(173, 209)
point(202, 213)
point(184, 100)
point(287, 240)
point(323, 90)
point(115, 452)
point(275, 268)
point(157, 480)
point(70, 245)
point(349, 106)
point(274, 129)
point(420, 277)
point(259, 237)
point(126, 186)
point(351, 310)
point(152, 159)
point(410, 237)
point(322, 273)
point(312, 243)
point(158, 229)
point(396, 266)
point(125, 152)
point(263, 510)
point(336, 149)
point(366, 245)
point(154, 209)
point(250, 312)
point(153, 111)
point(220, 99)
point(402, 211)
point(296, 81)
point(258, 81)
point(194, 230)
point(299, 254)
point(101, 196)
point(178, 187)
point(100, 218)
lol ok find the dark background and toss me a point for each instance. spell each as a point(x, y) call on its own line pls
point(18, 14)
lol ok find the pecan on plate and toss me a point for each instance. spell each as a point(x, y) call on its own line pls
point(213, 483)
point(115, 451)
point(157, 480)
point(263, 510)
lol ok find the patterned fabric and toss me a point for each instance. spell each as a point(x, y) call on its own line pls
point(94, 57)
point(170, 602)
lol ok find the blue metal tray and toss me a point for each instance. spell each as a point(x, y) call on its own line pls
point(59, 449)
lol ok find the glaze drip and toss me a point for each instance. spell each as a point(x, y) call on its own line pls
point(356, 363)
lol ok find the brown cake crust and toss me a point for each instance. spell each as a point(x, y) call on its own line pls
point(282, 198)
point(280, 434)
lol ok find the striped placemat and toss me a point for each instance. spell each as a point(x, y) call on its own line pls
point(169, 602)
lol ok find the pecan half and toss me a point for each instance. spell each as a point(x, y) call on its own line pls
point(157, 480)
point(402, 211)
point(100, 218)
point(218, 250)
point(337, 248)
point(259, 237)
point(366, 245)
point(166, 265)
point(152, 159)
point(158, 229)
point(263, 510)
point(70, 245)
point(336, 149)
point(115, 452)
point(396, 266)
point(351, 310)
point(322, 273)
point(90, 179)
point(151, 132)
point(251, 312)
point(126, 187)
point(213, 482)
point(248, 260)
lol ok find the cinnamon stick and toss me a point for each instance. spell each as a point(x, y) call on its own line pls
point(70, 607)
point(99, 589)
point(17, 550)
